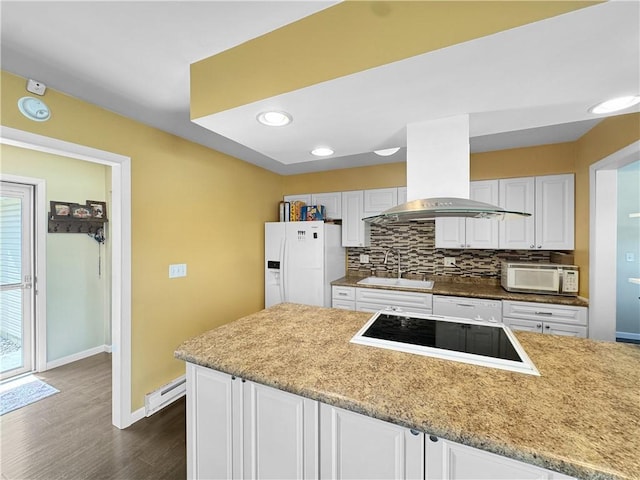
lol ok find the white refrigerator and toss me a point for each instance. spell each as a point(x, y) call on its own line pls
point(301, 261)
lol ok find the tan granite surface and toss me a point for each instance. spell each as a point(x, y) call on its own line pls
point(581, 417)
point(475, 288)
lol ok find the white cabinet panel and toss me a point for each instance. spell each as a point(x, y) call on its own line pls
point(407, 301)
point(355, 446)
point(447, 460)
point(355, 232)
point(378, 200)
point(518, 195)
point(212, 432)
point(280, 434)
point(450, 233)
point(402, 195)
point(332, 202)
point(555, 212)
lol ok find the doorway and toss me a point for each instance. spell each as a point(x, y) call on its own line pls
point(120, 221)
point(603, 249)
point(17, 326)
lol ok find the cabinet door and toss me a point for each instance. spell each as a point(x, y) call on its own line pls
point(355, 233)
point(450, 233)
point(447, 460)
point(213, 424)
point(545, 312)
point(332, 202)
point(302, 197)
point(482, 232)
point(402, 195)
point(280, 434)
point(524, 325)
point(378, 200)
point(517, 194)
point(566, 330)
point(555, 212)
point(355, 446)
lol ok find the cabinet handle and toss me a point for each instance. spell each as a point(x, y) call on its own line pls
point(547, 327)
point(433, 438)
point(532, 246)
point(538, 325)
point(342, 294)
point(539, 246)
point(462, 245)
point(414, 432)
point(543, 313)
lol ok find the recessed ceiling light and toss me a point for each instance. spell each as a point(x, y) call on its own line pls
point(274, 118)
point(386, 151)
point(322, 152)
point(615, 104)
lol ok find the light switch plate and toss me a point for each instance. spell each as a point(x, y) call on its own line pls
point(449, 261)
point(178, 270)
point(364, 258)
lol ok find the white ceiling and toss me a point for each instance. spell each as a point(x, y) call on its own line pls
point(522, 87)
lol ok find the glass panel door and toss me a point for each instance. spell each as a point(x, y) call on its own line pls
point(16, 279)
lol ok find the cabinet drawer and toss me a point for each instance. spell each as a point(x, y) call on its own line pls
point(343, 304)
point(395, 298)
point(545, 312)
point(343, 293)
point(376, 307)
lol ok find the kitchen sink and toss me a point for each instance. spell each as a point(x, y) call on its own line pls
point(397, 282)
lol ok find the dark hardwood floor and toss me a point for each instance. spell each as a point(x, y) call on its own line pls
point(69, 435)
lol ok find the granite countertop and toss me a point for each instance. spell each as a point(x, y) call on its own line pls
point(581, 417)
point(470, 287)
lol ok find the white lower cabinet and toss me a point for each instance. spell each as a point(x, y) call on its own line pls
point(373, 300)
point(355, 446)
point(545, 318)
point(447, 460)
point(243, 430)
point(239, 429)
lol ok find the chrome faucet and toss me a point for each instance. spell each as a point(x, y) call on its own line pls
point(386, 257)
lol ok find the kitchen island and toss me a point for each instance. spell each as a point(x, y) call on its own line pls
point(580, 417)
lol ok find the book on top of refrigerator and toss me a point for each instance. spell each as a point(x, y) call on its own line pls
point(311, 213)
point(296, 210)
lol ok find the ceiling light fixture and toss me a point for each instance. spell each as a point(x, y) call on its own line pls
point(322, 152)
point(386, 152)
point(615, 104)
point(274, 118)
point(34, 109)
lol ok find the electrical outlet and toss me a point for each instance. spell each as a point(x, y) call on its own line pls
point(364, 258)
point(178, 270)
point(449, 261)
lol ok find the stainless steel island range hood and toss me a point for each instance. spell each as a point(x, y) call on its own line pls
point(438, 161)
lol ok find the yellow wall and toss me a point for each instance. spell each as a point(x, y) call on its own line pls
point(189, 205)
point(609, 136)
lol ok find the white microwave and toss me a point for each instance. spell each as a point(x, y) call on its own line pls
point(553, 279)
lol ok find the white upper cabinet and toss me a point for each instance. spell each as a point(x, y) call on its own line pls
point(332, 202)
point(471, 233)
point(518, 195)
point(402, 195)
point(550, 200)
point(378, 200)
point(355, 232)
point(555, 212)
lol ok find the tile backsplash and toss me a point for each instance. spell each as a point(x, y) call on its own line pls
point(418, 255)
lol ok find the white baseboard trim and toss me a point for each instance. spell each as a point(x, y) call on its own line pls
point(138, 415)
point(78, 356)
point(628, 336)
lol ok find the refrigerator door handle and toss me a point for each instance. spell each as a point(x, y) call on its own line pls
point(283, 269)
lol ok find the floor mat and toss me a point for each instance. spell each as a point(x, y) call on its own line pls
point(25, 392)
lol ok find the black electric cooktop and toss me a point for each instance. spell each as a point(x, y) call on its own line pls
point(477, 339)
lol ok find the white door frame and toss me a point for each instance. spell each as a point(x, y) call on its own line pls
point(603, 206)
point(122, 416)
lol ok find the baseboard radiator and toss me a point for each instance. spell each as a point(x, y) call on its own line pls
point(165, 395)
